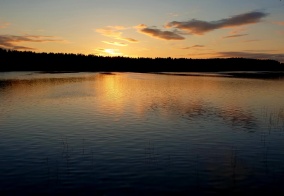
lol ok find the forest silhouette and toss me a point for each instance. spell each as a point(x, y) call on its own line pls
point(12, 60)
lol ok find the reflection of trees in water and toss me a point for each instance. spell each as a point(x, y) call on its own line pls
point(35, 86)
point(42, 81)
point(234, 116)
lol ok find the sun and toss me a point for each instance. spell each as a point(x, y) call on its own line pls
point(109, 52)
point(113, 52)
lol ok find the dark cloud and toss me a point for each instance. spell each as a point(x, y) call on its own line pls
point(234, 36)
point(195, 46)
point(254, 55)
point(129, 39)
point(13, 41)
point(157, 33)
point(200, 27)
point(23, 48)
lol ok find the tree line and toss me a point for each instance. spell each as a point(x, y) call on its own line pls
point(11, 60)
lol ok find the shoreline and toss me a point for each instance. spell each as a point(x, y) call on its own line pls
point(232, 74)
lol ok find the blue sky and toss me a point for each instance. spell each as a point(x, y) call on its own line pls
point(160, 28)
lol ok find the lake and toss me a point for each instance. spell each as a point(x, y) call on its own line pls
point(140, 134)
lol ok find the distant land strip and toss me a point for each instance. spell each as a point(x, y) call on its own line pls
point(232, 74)
point(11, 60)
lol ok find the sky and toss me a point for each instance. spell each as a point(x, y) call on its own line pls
point(148, 28)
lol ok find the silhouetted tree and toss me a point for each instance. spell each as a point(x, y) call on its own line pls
point(11, 60)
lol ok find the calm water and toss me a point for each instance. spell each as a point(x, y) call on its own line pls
point(129, 134)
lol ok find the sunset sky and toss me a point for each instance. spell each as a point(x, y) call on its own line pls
point(148, 28)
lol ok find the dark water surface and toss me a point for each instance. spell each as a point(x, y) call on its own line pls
point(140, 134)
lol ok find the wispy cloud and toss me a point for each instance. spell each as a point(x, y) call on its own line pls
point(262, 51)
point(115, 43)
point(195, 46)
point(238, 30)
point(200, 27)
point(129, 40)
point(111, 31)
point(22, 48)
point(160, 34)
point(115, 32)
point(14, 41)
point(254, 55)
point(235, 36)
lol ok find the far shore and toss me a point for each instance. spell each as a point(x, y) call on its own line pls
point(69, 63)
point(235, 74)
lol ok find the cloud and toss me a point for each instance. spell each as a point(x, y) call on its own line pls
point(115, 43)
point(140, 26)
point(111, 31)
point(265, 50)
point(128, 39)
point(200, 27)
point(251, 54)
point(13, 41)
point(115, 32)
point(234, 36)
point(160, 34)
point(195, 46)
point(254, 55)
point(23, 48)
point(238, 30)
